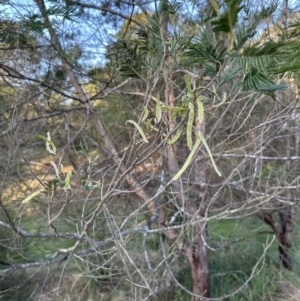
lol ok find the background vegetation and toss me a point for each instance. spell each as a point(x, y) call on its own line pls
point(149, 150)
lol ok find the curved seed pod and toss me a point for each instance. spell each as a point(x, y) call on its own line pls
point(224, 98)
point(189, 129)
point(67, 180)
point(176, 136)
point(139, 129)
point(189, 159)
point(49, 143)
point(158, 109)
point(146, 113)
point(200, 135)
point(200, 109)
point(30, 197)
point(188, 85)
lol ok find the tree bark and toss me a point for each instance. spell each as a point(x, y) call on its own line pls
point(283, 233)
point(286, 218)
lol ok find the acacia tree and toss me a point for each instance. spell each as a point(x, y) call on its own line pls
point(251, 65)
point(193, 114)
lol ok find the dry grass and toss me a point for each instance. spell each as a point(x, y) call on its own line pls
point(290, 292)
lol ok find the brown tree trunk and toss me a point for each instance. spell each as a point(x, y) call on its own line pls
point(197, 254)
point(283, 233)
point(199, 248)
point(285, 237)
point(199, 264)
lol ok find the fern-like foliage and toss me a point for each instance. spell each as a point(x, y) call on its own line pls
point(225, 22)
point(251, 65)
point(146, 50)
point(224, 48)
point(204, 49)
point(130, 60)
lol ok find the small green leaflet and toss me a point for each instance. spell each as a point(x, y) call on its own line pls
point(176, 136)
point(67, 180)
point(201, 97)
point(189, 129)
point(158, 109)
point(200, 135)
point(49, 143)
point(30, 197)
point(273, 88)
point(139, 129)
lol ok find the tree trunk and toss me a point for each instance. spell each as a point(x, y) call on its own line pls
point(199, 264)
point(199, 248)
point(283, 233)
point(285, 241)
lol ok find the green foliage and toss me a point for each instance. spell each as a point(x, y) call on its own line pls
point(16, 34)
point(35, 22)
point(226, 21)
point(243, 33)
point(204, 49)
point(158, 56)
point(258, 62)
point(67, 180)
point(255, 61)
point(254, 80)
